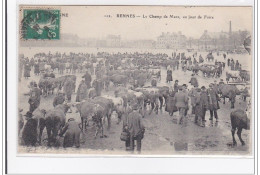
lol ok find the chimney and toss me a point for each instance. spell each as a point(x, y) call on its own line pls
point(230, 29)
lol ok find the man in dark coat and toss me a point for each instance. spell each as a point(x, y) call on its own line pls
point(154, 82)
point(82, 91)
point(232, 97)
point(27, 70)
point(194, 81)
point(170, 103)
point(181, 101)
point(213, 102)
point(72, 136)
point(69, 86)
point(59, 99)
point(176, 86)
point(169, 76)
point(154, 100)
point(98, 85)
point(36, 68)
point(134, 125)
point(35, 97)
point(204, 102)
point(88, 79)
point(197, 107)
point(29, 133)
point(193, 94)
point(237, 65)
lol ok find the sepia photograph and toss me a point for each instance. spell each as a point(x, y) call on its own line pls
point(135, 80)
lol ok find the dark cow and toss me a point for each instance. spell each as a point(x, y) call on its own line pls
point(239, 121)
point(118, 79)
point(54, 121)
point(228, 91)
point(245, 75)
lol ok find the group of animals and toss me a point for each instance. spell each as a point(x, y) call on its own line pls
point(101, 108)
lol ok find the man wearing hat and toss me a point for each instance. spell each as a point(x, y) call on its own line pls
point(194, 81)
point(134, 125)
point(72, 136)
point(181, 101)
point(213, 102)
point(29, 132)
point(176, 86)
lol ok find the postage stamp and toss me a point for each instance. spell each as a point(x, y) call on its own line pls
point(40, 24)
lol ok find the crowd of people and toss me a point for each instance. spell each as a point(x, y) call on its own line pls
point(95, 78)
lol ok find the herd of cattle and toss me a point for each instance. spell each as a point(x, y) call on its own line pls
point(128, 76)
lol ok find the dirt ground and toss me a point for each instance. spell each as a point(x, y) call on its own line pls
point(162, 136)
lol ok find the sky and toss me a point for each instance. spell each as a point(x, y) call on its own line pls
point(90, 21)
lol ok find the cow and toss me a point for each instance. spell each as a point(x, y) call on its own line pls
point(228, 91)
point(89, 110)
point(118, 79)
point(245, 75)
point(47, 85)
point(234, 75)
point(108, 106)
point(239, 121)
point(54, 121)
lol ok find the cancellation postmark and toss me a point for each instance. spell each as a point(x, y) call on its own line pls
point(40, 24)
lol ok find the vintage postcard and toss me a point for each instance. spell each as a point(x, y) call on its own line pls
point(135, 80)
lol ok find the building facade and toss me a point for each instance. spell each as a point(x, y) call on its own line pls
point(171, 41)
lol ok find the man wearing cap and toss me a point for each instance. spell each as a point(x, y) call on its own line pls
point(184, 87)
point(72, 136)
point(35, 97)
point(181, 100)
point(193, 93)
point(197, 108)
point(215, 86)
point(213, 102)
point(134, 125)
point(204, 102)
